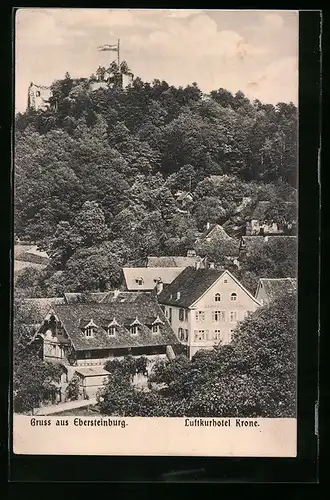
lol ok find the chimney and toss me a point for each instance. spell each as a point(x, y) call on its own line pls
point(207, 225)
point(116, 293)
point(265, 239)
point(178, 294)
point(159, 286)
point(197, 264)
point(211, 265)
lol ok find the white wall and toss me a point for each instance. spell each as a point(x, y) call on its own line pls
point(207, 304)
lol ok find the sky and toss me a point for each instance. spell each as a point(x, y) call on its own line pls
point(252, 51)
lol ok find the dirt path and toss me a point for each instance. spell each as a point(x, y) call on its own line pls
point(70, 405)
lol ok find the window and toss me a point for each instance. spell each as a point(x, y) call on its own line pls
point(139, 281)
point(89, 331)
point(181, 333)
point(218, 316)
point(112, 330)
point(38, 93)
point(155, 328)
point(233, 296)
point(200, 335)
point(200, 316)
point(181, 314)
point(217, 297)
point(233, 316)
point(88, 354)
point(186, 314)
point(217, 335)
point(225, 281)
point(134, 329)
point(186, 334)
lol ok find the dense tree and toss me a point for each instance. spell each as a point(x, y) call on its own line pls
point(105, 165)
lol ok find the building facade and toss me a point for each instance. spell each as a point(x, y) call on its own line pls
point(204, 306)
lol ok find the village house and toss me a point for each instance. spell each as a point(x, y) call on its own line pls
point(259, 225)
point(270, 289)
point(212, 232)
point(255, 244)
point(144, 279)
point(88, 334)
point(184, 198)
point(204, 306)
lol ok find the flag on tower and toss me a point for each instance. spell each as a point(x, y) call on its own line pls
point(107, 47)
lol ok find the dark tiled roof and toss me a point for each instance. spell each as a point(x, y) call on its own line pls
point(191, 284)
point(257, 243)
point(74, 298)
point(74, 316)
point(41, 306)
point(122, 297)
point(277, 287)
point(171, 261)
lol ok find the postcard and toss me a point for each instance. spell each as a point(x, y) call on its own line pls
point(155, 225)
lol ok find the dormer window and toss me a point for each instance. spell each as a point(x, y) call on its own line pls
point(155, 328)
point(112, 331)
point(112, 328)
point(134, 329)
point(90, 329)
point(233, 297)
point(139, 281)
point(217, 297)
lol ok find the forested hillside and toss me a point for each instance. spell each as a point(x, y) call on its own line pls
point(97, 173)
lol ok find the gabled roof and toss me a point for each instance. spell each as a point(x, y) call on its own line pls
point(73, 317)
point(150, 275)
point(275, 287)
point(41, 306)
point(191, 284)
point(215, 228)
point(180, 196)
point(171, 261)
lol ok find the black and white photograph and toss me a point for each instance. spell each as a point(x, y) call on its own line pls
point(155, 232)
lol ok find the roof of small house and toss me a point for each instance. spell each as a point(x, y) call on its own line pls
point(30, 253)
point(275, 287)
point(74, 317)
point(73, 298)
point(122, 297)
point(191, 284)
point(180, 196)
point(150, 276)
point(256, 243)
point(171, 261)
point(215, 228)
point(92, 371)
point(218, 179)
point(41, 306)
